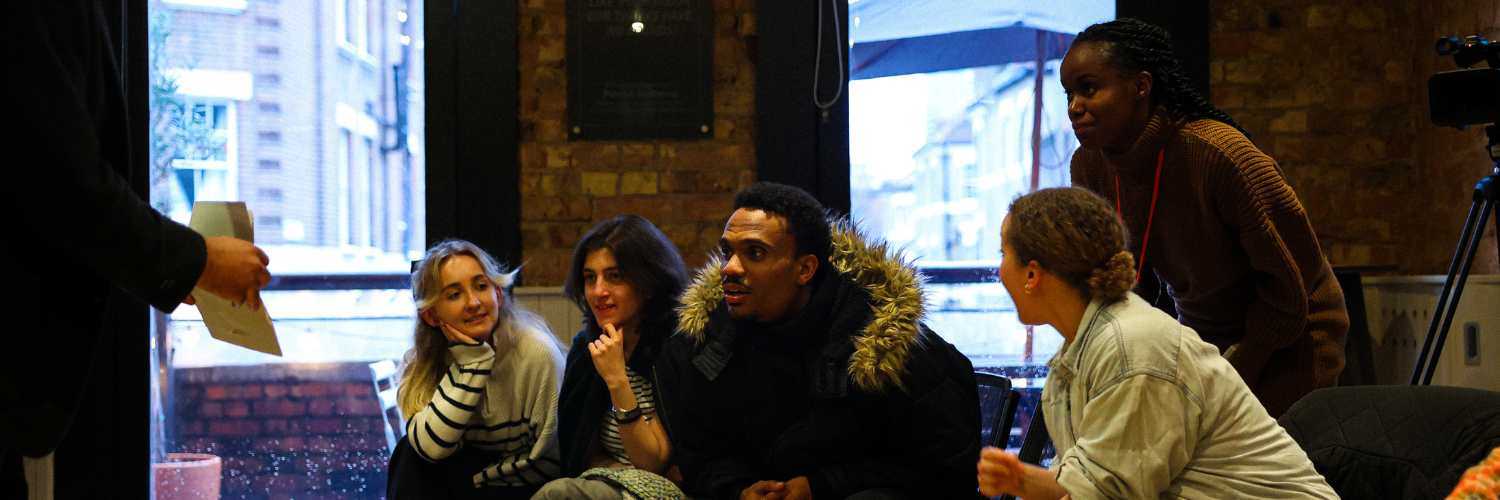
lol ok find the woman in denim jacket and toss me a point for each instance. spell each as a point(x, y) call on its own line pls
point(1137, 405)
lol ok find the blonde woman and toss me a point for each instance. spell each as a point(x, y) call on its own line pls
point(1137, 405)
point(479, 388)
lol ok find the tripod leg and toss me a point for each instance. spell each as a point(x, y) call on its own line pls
point(1458, 252)
point(1458, 290)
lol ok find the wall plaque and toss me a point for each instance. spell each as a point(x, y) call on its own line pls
point(640, 69)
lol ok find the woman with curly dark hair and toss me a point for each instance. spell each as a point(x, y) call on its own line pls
point(1215, 219)
point(1137, 405)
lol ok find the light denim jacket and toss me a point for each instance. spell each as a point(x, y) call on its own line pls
point(1139, 407)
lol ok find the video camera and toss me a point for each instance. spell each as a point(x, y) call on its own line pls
point(1466, 96)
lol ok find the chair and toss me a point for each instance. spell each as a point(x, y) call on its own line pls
point(384, 376)
point(1394, 441)
point(1359, 364)
point(997, 409)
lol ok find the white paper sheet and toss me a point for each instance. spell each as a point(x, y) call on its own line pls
point(235, 324)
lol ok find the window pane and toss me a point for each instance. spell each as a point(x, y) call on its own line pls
point(942, 111)
point(292, 108)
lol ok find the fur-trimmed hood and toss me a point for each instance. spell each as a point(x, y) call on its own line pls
point(897, 305)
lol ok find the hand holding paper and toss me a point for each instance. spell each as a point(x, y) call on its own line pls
point(228, 291)
point(235, 270)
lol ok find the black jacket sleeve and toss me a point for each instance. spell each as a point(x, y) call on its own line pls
point(701, 445)
point(936, 425)
point(67, 176)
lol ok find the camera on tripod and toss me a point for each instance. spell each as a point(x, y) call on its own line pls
point(1466, 96)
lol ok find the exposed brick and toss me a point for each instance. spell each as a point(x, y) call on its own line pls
point(237, 409)
point(669, 182)
point(248, 391)
point(358, 390)
point(679, 181)
point(638, 183)
point(596, 156)
point(1291, 121)
point(233, 427)
point(276, 390)
point(279, 408)
point(190, 427)
point(278, 485)
point(316, 390)
point(281, 443)
point(277, 426)
point(358, 406)
point(600, 183)
point(1352, 132)
point(1324, 16)
point(328, 425)
point(320, 407)
point(557, 156)
point(638, 155)
point(212, 410)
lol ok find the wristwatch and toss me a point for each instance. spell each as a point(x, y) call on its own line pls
point(623, 417)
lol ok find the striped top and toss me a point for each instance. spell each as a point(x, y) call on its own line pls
point(504, 404)
point(645, 399)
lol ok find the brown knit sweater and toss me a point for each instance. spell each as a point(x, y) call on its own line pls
point(1235, 249)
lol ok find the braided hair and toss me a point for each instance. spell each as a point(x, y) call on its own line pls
point(1135, 45)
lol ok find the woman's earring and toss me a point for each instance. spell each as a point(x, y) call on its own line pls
point(1028, 289)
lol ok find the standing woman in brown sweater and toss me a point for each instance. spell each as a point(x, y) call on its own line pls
point(1211, 214)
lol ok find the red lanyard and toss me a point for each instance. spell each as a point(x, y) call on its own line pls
point(1140, 264)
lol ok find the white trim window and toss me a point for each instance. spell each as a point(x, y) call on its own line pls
point(356, 163)
point(352, 24)
point(211, 174)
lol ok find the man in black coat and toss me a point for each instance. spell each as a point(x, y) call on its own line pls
point(802, 368)
point(78, 232)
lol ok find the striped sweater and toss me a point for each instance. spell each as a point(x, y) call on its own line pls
point(504, 403)
point(1234, 245)
point(645, 399)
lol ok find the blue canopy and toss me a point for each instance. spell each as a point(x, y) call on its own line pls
point(898, 37)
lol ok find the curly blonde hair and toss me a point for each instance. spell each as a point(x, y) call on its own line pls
point(1076, 235)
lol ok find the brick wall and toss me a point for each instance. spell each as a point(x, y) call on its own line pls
point(285, 430)
point(685, 187)
point(1336, 91)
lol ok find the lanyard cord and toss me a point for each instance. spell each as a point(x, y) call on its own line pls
point(1140, 265)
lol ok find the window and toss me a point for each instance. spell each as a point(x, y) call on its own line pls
point(306, 424)
point(943, 110)
point(353, 27)
point(201, 158)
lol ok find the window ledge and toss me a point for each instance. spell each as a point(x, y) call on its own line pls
point(357, 53)
point(214, 6)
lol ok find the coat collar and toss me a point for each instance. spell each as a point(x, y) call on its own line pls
point(880, 349)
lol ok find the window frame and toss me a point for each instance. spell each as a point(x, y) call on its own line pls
point(110, 443)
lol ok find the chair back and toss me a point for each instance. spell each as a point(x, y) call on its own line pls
point(385, 377)
point(997, 409)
